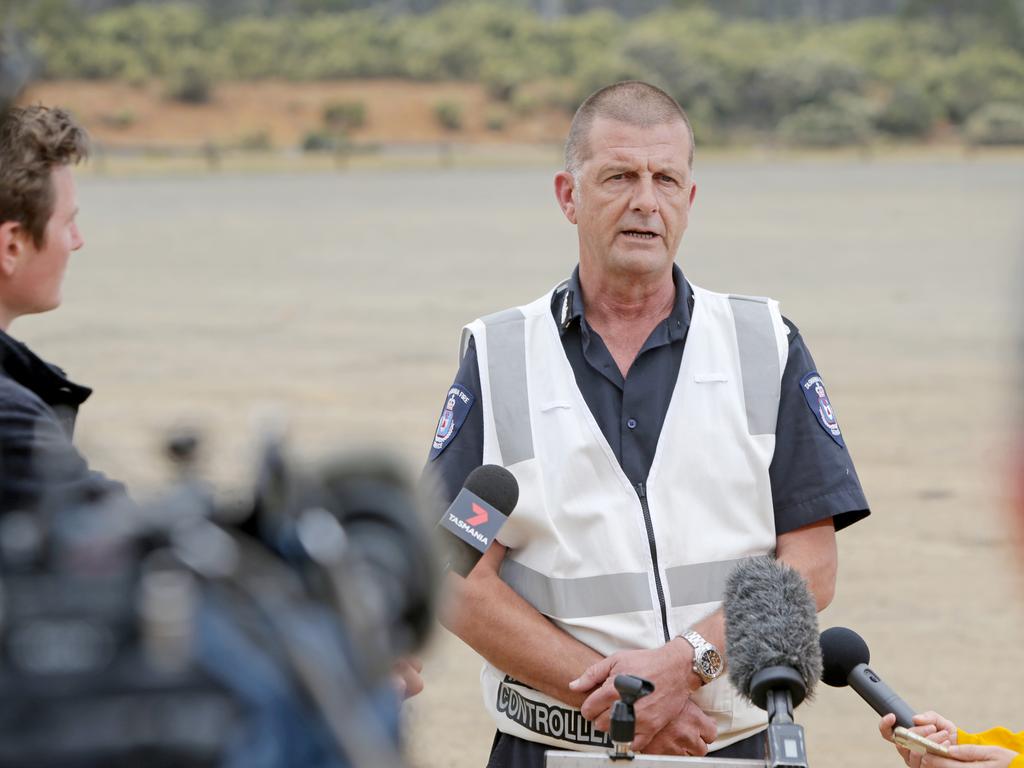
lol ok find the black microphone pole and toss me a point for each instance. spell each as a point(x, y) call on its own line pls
point(771, 634)
point(778, 690)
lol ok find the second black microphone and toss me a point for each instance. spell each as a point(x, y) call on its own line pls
point(468, 527)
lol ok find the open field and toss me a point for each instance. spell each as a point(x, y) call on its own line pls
point(338, 299)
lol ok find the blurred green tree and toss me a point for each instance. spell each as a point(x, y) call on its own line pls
point(908, 111)
point(449, 115)
point(977, 76)
point(824, 126)
point(1000, 19)
point(996, 124)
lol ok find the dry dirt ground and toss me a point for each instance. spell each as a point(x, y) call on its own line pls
point(337, 299)
point(396, 111)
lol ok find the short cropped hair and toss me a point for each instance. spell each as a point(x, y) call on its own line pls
point(632, 102)
point(33, 141)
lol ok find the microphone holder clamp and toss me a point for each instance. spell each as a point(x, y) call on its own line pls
point(777, 690)
point(623, 727)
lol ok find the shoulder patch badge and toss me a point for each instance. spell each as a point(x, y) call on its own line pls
point(457, 405)
point(817, 400)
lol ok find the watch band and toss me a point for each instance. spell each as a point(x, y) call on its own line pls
point(707, 662)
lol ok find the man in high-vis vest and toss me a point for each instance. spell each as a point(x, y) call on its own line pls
point(660, 433)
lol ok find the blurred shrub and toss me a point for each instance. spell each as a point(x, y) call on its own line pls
point(319, 141)
point(526, 103)
point(687, 55)
point(123, 118)
point(549, 94)
point(345, 115)
point(996, 124)
point(598, 71)
point(189, 79)
point(495, 120)
point(502, 77)
point(256, 141)
point(996, 21)
point(706, 125)
point(257, 47)
point(908, 111)
point(792, 81)
point(358, 44)
point(449, 115)
point(819, 125)
point(978, 76)
point(151, 37)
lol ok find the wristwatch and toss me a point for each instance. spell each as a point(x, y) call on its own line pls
point(707, 661)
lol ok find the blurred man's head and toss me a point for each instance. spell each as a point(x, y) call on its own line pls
point(627, 183)
point(38, 206)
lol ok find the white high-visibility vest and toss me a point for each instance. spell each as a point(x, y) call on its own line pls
point(582, 543)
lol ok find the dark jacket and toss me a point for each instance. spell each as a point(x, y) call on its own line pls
point(39, 466)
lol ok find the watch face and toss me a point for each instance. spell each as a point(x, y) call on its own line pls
point(710, 663)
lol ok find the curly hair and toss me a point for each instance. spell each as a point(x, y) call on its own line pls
point(33, 141)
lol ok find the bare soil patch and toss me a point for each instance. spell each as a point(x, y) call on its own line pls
point(397, 111)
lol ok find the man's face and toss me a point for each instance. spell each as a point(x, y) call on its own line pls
point(632, 201)
point(34, 285)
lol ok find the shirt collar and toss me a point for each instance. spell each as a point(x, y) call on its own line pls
point(46, 380)
point(567, 305)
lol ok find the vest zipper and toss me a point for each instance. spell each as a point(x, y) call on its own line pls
point(641, 491)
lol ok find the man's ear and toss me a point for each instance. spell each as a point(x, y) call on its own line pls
point(12, 246)
point(564, 186)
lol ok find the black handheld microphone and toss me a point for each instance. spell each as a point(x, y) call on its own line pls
point(771, 640)
point(846, 658)
point(475, 517)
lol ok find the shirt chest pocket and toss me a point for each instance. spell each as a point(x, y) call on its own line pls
point(555, 405)
point(710, 377)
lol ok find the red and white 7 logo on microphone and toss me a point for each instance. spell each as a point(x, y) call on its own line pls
point(479, 517)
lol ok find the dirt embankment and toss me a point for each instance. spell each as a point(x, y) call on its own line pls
point(278, 114)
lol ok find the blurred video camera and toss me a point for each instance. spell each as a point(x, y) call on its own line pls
point(14, 69)
point(190, 632)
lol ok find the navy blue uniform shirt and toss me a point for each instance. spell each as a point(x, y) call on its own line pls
point(812, 474)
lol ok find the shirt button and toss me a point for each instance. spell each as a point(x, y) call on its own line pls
point(631, 423)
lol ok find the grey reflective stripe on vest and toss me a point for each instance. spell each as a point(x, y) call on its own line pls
point(579, 598)
point(506, 371)
point(759, 363)
point(698, 582)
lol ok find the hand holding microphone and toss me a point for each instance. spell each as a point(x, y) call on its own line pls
point(925, 740)
point(933, 744)
point(931, 732)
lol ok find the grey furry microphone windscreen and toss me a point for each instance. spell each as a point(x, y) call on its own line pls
point(770, 620)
